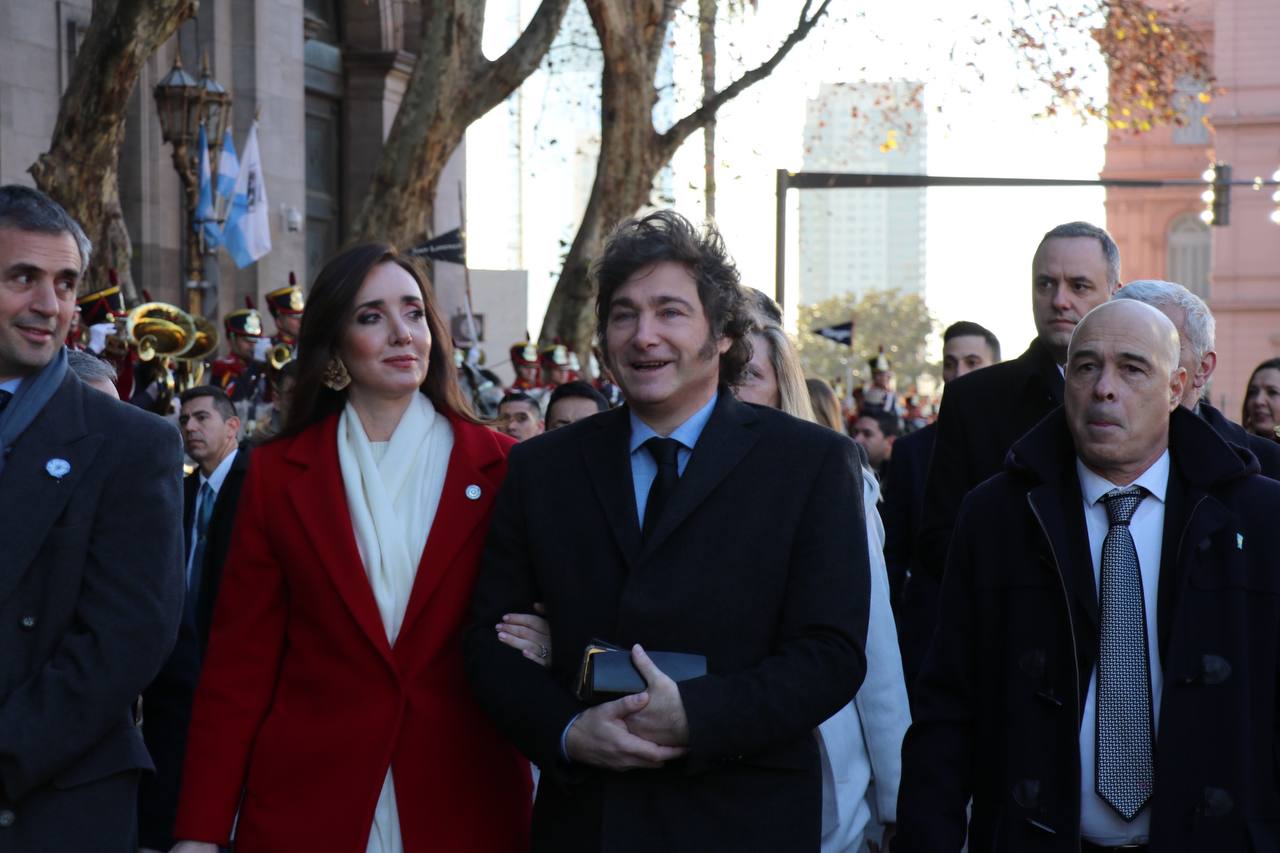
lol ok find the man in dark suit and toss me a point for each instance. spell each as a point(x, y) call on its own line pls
point(1196, 327)
point(210, 428)
point(705, 526)
point(90, 581)
point(1113, 588)
point(1075, 268)
point(209, 433)
point(966, 347)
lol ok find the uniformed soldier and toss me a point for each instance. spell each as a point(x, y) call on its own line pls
point(524, 360)
point(558, 366)
point(238, 372)
point(878, 395)
point(286, 306)
point(99, 334)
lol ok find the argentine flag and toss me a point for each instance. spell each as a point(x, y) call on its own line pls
point(248, 232)
point(204, 202)
point(228, 171)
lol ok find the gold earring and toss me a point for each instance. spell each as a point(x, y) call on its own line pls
point(336, 375)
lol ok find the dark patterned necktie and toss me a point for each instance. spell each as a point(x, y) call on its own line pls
point(1123, 771)
point(665, 452)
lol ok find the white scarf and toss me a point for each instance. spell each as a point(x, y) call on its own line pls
point(392, 497)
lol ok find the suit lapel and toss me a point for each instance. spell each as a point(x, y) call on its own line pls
point(320, 504)
point(460, 511)
point(608, 463)
point(31, 498)
point(190, 486)
point(723, 442)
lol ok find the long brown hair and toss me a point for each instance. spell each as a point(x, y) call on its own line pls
point(329, 307)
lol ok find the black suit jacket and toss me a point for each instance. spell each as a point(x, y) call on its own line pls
point(755, 564)
point(218, 537)
point(167, 701)
point(90, 600)
point(913, 593)
point(903, 508)
point(997, 714)
point(983, 413)
point(1266, 450)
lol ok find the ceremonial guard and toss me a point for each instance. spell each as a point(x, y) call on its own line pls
point(100, 335)
point(559, 366)
point(524, 361)
point(238, 372)
point(286, 306)
point(879, 395)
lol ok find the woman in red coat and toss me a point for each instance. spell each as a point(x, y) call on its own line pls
point(333, 712)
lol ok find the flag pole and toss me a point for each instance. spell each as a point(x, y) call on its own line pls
point(466, 268)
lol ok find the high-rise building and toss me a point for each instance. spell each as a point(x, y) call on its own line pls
point(860, 240)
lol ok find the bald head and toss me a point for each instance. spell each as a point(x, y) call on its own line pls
point(1122, 381)
point(1148, 327)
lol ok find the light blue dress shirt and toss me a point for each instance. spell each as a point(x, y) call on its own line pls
point(643, 469)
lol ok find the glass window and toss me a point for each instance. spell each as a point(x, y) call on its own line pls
point(1189, 254)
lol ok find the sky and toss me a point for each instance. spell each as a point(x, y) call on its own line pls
point(979, 241)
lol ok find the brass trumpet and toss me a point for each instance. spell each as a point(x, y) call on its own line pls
point(191, 366)
point(280, 355)
point(160, 329)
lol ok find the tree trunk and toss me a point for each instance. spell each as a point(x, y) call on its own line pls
point(632, 34)
point(451, 86)
point(707, 44)
point(81, 168)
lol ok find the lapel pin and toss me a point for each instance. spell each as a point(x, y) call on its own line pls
point(57, 468)
point(1239, 541)
point(473, 492)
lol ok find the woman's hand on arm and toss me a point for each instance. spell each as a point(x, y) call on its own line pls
point(529, 633)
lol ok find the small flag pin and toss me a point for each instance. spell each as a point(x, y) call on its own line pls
point(57, 468)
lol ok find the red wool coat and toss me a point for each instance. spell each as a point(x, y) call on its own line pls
point(303, 704)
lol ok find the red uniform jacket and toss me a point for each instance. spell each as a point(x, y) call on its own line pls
point(302, 703)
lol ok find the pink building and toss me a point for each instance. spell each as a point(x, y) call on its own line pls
point(1235, 267)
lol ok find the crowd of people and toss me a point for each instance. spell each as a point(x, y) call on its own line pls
point(699, 603)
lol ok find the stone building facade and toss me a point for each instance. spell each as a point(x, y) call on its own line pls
point(325, 77)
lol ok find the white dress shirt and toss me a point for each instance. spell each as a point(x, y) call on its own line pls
point(1099, 822)
point(215, 481)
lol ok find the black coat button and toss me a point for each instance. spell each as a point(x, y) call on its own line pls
point(1216, 803)
point(7, 818)
point(28, 622)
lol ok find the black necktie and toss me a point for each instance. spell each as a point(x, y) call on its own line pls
point(663, 451)
point(1123, 775)
point(5, 397)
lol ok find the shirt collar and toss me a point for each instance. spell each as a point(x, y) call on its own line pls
point(687, 433)
point(216, 479)
point(11, 385)
point(1155, 480)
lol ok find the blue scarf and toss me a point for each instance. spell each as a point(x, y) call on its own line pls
point(32, 396)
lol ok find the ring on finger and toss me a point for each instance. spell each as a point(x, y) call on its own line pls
point(543, 651)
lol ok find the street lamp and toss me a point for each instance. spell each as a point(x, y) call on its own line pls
point(185, 103)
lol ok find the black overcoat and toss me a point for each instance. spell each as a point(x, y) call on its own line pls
point(999, 702)
point(759, 563)
point(90, 600)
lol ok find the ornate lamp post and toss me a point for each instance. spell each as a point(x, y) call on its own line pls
point(185, 103)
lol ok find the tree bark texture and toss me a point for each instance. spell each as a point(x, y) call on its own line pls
point(632, 151)
point(707, 46)
point(452, 85)
point(81, 168)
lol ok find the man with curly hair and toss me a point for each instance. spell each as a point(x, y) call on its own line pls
point(705, 526)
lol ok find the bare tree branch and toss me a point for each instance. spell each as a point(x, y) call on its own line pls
point(680, 131)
